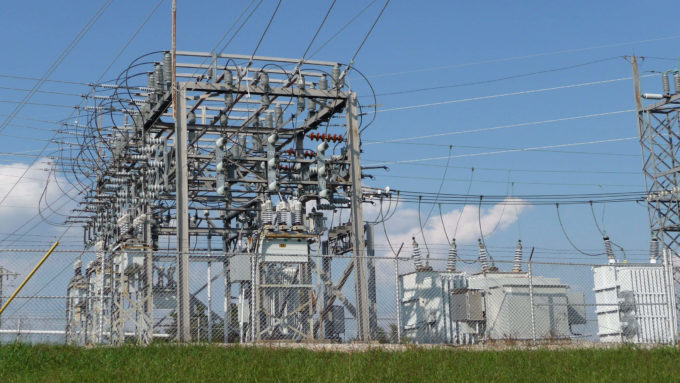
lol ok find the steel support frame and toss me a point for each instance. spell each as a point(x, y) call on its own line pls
point(659, 131)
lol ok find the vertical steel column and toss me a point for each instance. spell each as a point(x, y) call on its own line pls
point(147, 284)
point(370, 259)
point(227, 291)
point(358, 237)
point(182, 191)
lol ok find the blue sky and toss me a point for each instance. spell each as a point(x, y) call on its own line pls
point(415, 45)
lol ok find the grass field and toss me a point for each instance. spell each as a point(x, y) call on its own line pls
point(23, 363)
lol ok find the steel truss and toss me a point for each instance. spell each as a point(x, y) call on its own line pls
point(254, 150)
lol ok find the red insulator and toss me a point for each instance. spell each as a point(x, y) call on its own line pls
point(291, 151)
point(335, 138)
point(340, 139)
point(323, 137)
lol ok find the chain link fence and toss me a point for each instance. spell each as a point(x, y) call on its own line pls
point(432, 300)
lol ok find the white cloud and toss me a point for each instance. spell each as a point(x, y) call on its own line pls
point(405, 224)
point(25, 198)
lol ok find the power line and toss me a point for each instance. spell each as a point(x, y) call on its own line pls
point(411, 177)
point(499, 79)
point(57, 62)
point(519, 93)
point(610, 140)
point(501, 127)
point(490, 61)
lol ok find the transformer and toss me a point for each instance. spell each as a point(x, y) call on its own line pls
point(458, 308)
point(635, 303)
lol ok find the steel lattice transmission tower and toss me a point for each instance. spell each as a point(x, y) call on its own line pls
point(659, 131)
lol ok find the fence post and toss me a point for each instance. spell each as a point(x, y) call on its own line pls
point(531, 299)
point(396, 298)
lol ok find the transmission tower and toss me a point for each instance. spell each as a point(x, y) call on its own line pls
point(658, 123)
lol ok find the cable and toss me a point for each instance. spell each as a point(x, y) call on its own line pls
point(490, 61)
point(603, 233)
point(318, 30)
point(500, 127)
point(609, 140)
point(55, 64)
point(422, 233)
point(557, 206)
point(519, 93)
point(351, 62)
point(499, 79)
point(441, 184)
point(271, 19)
point(342, 28)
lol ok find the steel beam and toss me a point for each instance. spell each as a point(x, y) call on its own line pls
point(182, 191)
point(357, 218)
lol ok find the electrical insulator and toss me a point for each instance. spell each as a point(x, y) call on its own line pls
point(267, 213)
point(453, 257)
point(417, 257)
point(323, 82)
point(191, 118)
point(264, 80)
point(228, 78)
point(151, 84)
point(322, 147)
point(654, 250)
point(608, 250)
point(335, 76)
point(167, 69)
point(269, 120)
point(224, 120)
point(311, 105)
point(301, 104)
point(666, 84)
point(221, 142)
point(301, 82)
point(158, 76)
point(296, 208)
point(265, 100)
point(676, 78)
point(278, 115)
point(483, 257)
point(228, 100)
point(282, 214)
point(272, 138)
point(517, 267)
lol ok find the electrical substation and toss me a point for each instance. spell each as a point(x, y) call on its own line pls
point(242, 167)
point(221, 198)
point(247, 168)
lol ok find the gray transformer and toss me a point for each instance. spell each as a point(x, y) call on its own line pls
point(457, 308)
point(507, 306)
point(425, 305)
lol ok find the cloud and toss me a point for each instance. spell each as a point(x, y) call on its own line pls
point(465, 223)
point(404, 225)
point(24, 199)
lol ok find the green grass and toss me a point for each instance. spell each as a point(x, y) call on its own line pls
point(163, 363)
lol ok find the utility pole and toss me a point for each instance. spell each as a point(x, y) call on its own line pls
point(182, 200)
point(358, 235)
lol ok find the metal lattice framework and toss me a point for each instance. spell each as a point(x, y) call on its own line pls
point(659, 131)
point(252, 152)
